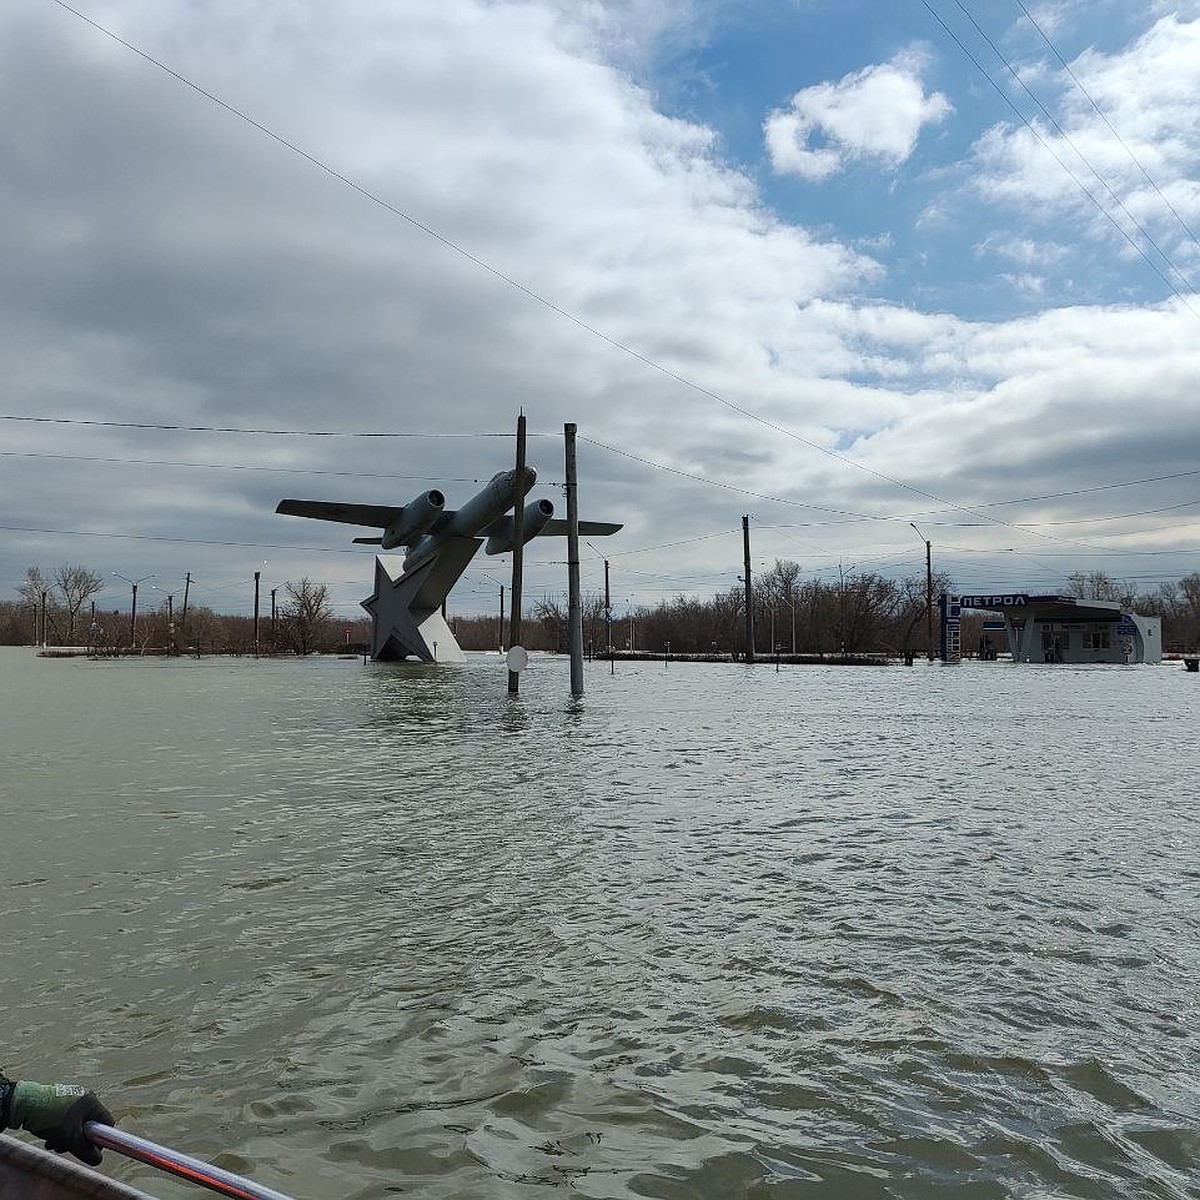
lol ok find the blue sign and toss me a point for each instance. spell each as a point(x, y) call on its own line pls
point(1012, 600)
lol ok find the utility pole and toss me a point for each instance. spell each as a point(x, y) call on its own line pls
point(502, 618)
point(928, 593)
point(187, 584)
point(44, 619)
point(574, 601)
point(273, 611)
point(749, 593)
point(257, 575)
point(612, 666)
point(133, 583)
point(929, 597)
point(514, 620)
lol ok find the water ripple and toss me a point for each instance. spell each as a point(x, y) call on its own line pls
point(708, 933)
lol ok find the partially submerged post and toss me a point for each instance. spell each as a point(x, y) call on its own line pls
point(612, 666)
point(187, 587)
point(749, 592)
point(574, 605)
point(514, 620)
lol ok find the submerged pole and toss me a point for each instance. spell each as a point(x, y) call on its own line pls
point(749, 592)
point(574, 602)
point(514, 620)
point(612, 666)
point(187, 587)
point(929, 599)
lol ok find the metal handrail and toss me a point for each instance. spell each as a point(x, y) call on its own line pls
point(194, 1170)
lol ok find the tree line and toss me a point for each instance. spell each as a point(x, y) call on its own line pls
point(858, 613)
point(855, 614)
point(60, 608)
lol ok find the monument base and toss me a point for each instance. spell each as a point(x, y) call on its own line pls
point(406, 608)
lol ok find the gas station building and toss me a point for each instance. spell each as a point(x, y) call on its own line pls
point(1055, 629)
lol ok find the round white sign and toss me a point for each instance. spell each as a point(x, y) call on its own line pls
point(517, 659)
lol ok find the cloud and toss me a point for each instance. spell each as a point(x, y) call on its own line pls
point(168, 263)
point(876, 113)
point(1131, 144)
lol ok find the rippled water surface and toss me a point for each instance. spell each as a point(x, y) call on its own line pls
point(363, 931)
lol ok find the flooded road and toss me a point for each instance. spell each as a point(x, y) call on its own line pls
point(713, 931)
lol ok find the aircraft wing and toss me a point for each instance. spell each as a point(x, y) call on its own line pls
point(586, 529)
point(378, 516)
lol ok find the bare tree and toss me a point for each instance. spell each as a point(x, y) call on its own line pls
point(551, 614)
point(38, 592)
point(305, 615)
point(1099, 585)
point(77, 585)
point(206, 630)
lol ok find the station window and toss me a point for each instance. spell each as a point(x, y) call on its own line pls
point(1099, 638)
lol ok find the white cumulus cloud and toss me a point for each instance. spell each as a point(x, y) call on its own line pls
point(875, 113)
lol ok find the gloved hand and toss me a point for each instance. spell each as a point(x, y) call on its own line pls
point(56, 1112)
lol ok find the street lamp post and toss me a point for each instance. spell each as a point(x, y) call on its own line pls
point(608, 617)
point(928, 592)
point(842, 572)
point(133, 583)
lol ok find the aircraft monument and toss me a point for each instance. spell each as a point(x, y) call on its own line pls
point(439, 544)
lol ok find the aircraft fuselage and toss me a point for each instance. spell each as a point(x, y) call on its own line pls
point(501, 494)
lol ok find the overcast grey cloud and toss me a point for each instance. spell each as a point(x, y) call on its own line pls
point(169, 263)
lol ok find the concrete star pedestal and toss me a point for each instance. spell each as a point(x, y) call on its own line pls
point(407, 608)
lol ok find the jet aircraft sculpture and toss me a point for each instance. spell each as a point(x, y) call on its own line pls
point(439, 543)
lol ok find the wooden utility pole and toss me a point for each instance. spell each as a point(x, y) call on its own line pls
point(749, 591)
point(612, 666)
point(187, 583)
point(574, 601)
point(501, 619)
point(257, 574)
point(514, 620)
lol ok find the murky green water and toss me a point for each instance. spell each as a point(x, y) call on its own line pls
point(713, 932)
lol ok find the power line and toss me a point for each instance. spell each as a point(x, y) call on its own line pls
point(851, 517)
point(1108, 124)
point(573, 318)
point(152, 537)
point(1058, 158)
point(316, 433)
point(159, 462)
point(727, 486)
point(1067, 138)
point(530, 293)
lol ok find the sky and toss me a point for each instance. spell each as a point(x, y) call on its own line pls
point(873, 273)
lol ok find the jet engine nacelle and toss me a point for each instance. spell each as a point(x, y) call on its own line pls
point(419, 514)
point(534, 518)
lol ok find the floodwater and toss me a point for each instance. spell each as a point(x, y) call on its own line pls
point(713, 931)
